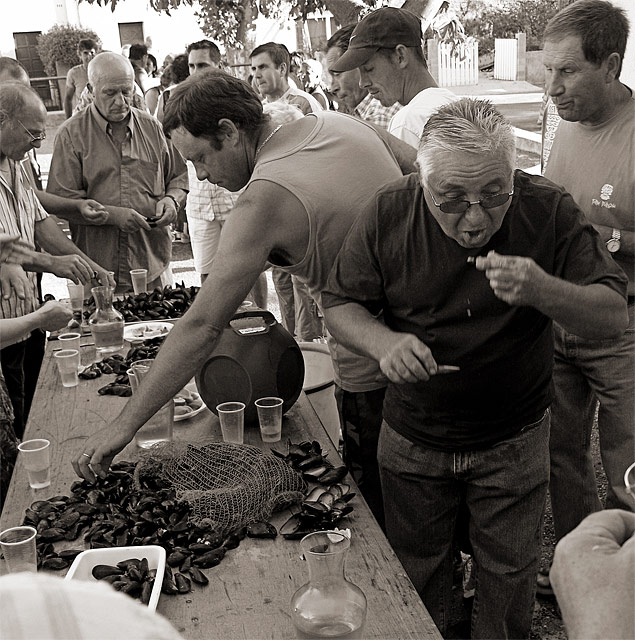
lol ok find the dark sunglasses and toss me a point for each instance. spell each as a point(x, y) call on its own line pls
point(461, 206)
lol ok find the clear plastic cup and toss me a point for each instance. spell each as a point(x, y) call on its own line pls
point(67, 360)
point(18, 549)
point(270, 418)
point(139, 279)
point(76, 294)
point(159, 427)
point(36, 458)
point(71, 341)
point(232, 421)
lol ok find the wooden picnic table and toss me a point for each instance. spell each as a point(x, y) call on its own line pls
point(249, 591)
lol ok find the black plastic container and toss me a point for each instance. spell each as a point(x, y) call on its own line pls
point(255, 357)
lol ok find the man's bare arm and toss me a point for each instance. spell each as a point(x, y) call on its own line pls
point(403, 152)
point(264, 219)
point(68, 99)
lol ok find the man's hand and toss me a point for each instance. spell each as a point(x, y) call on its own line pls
point(165, 212)
point(98, 452)
point(593, 576)
point(53, 315)
point(514, 279)
point(128, 220)
point(407, 360)
point(104, 278)
point(13, 276)
point(73, 267)
point(93, 212)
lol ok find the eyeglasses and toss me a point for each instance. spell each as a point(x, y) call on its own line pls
point(461, 206)
point(629, 480)
point(39, 138)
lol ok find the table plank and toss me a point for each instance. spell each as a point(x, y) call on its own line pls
point(250, 591)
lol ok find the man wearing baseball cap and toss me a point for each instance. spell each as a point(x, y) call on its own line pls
point(386, 48)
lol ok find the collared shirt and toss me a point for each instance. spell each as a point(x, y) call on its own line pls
point(301, 99)
point(88, 163)
point(19, 211)
point(207, 201)
point(371, 110)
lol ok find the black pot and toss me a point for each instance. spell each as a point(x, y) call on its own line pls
point(255, 357)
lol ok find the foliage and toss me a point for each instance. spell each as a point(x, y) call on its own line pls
point(229, 21)
point(59, 44)
point(486, 20)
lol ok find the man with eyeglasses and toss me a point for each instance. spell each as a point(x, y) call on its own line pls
point(469, 262)
point(22, 127)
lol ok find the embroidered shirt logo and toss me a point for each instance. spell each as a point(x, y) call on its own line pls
point(606, 191)
point(605, 195)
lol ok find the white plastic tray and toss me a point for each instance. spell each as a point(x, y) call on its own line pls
point(82, 566)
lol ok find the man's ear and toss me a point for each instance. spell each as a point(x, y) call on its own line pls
point(284, 70)
point(400, 55)
point(228, 132)
point(613, 67)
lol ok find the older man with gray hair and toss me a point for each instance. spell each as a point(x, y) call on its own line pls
point(118, 156)
point(469, 263)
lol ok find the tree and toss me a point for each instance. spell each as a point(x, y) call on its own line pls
point(229, 21)
point(487, 19)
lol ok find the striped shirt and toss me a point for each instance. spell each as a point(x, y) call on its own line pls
point(207, 201)
point(19, 211)
point(373, 111)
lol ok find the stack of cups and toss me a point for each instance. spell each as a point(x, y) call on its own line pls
point(68, 366)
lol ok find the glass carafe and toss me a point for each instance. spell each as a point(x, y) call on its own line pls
point(106, 323)
point(328, 606)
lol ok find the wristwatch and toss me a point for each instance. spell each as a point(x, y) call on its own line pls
point(178, 206)
point(613, 243)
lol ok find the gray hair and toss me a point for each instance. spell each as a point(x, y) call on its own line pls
point(15, 97)
point(107, 62)
point(466, 125)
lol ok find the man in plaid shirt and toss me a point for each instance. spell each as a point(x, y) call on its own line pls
point(345, 86)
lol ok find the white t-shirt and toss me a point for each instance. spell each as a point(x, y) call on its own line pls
point(407, 124)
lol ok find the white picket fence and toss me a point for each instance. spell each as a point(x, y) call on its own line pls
point(452, 71)
point(505, 58)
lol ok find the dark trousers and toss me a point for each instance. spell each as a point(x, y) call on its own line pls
point(360, 420)
point(21, 364)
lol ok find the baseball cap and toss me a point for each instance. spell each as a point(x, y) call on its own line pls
point(381, 29)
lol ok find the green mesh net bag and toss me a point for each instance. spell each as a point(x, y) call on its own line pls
point(231, 484)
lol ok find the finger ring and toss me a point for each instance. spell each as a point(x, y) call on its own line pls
point(88, 456)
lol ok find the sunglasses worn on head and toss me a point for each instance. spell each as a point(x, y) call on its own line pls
point(461, 206)
point(39, 138)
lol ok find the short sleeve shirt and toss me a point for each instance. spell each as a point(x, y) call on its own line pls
point(398, 260)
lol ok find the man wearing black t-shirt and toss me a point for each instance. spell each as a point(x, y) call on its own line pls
point(470, 262)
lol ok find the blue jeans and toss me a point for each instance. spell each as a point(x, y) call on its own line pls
point(504, 488)
point(585, 372)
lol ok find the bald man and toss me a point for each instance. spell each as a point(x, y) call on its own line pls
point(117, 155)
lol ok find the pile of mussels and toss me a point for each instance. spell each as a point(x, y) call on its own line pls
point(160, 304)
point(112, 513)
point(118, 365)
